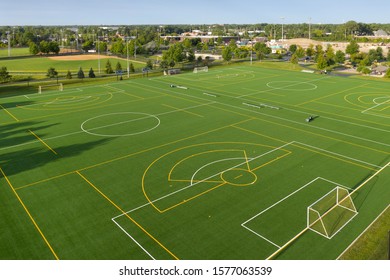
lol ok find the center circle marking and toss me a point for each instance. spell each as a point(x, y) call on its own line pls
point(139, 117)
point(239, 177)
point(290, 85)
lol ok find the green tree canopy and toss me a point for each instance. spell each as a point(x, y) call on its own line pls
point(227, 54)
point(109, 68)
point(352, 48)
point(51, 73)
point(80, 74)
point(4, 75)
point(91, 73)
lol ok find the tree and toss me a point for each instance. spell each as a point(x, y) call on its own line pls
point(191, 56)
point(53, 47)
point(118, 67)
point(340, 57)
point(322, 63)
point(44, 47)
point(293, 48)
point(330, 55)
point(310, 50)
point(149, 64)
point(34, 49)
point(52, 73)
point(319, 52)
point(132, 70)
point(80, 74)
point(88, 45)
point(227, 54)
point(91, 73)
point(294, 58)
point(352, 48)
point(387, 75)
point(300, 52)
point(69, 75)
point(109, 67)
point(4, 75)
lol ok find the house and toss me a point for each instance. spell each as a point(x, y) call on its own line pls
point(379, 70)
point(380, 33)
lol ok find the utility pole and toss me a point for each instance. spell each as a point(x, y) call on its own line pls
point(9, 43)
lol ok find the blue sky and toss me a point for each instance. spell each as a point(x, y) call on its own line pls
point(99, 12)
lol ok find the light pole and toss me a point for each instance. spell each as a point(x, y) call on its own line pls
point(282, 29)
point(309, 28)
point(9, 43)
point(127, 52)
point(98, 45)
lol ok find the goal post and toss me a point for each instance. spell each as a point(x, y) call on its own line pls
point(59, 87)
point(201, 69)
point(329, 214)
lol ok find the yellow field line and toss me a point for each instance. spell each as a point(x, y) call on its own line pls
point(271, 161)
point(29, 214)
point(298, 146)
point(305, 229)
point(9, 113)
point(183, 110)
point(127, 215)
point(306, 131)
point(43, 142)
point(335, 93)
point(191, 198)
point(247, 161)
point(340, 159)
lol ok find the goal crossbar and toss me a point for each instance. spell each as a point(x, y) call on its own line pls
point(201, 69)
point(59, 86)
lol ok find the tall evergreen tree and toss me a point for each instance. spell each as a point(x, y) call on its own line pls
point(80, 74)
point(109, 67)
point(91, 73)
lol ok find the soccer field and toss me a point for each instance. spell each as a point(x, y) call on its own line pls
point(216, 165)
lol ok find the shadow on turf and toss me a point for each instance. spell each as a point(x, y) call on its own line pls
point(18, 133)
point(35, 155)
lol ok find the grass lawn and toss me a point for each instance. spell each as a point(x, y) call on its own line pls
point(14, 52)
point(41, 64)
point(216, 165)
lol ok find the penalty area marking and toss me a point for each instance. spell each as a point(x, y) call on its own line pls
point(144, 116)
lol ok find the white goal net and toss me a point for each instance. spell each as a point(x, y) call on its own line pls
point(54, 87)
point(201, 69)
point(329, 214)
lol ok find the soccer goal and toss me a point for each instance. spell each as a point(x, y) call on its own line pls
point(59, 87)
point(201, 69)
point(329, 214)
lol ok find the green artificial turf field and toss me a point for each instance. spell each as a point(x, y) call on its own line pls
point(216, 165)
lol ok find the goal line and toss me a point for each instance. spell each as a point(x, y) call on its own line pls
point(277, 252)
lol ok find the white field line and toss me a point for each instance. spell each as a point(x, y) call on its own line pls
point(377, 105)
point(351, 189)
point(259, 235)
point(201, 181)
point(346, 223)
point(135, 241)
point(337, 120)
point(337, 154)
point(367, 228)
point(276, 203)
point(293, 142)
point(272, 116)
point(281, 88)
point(78, 132)
point(273, 205)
